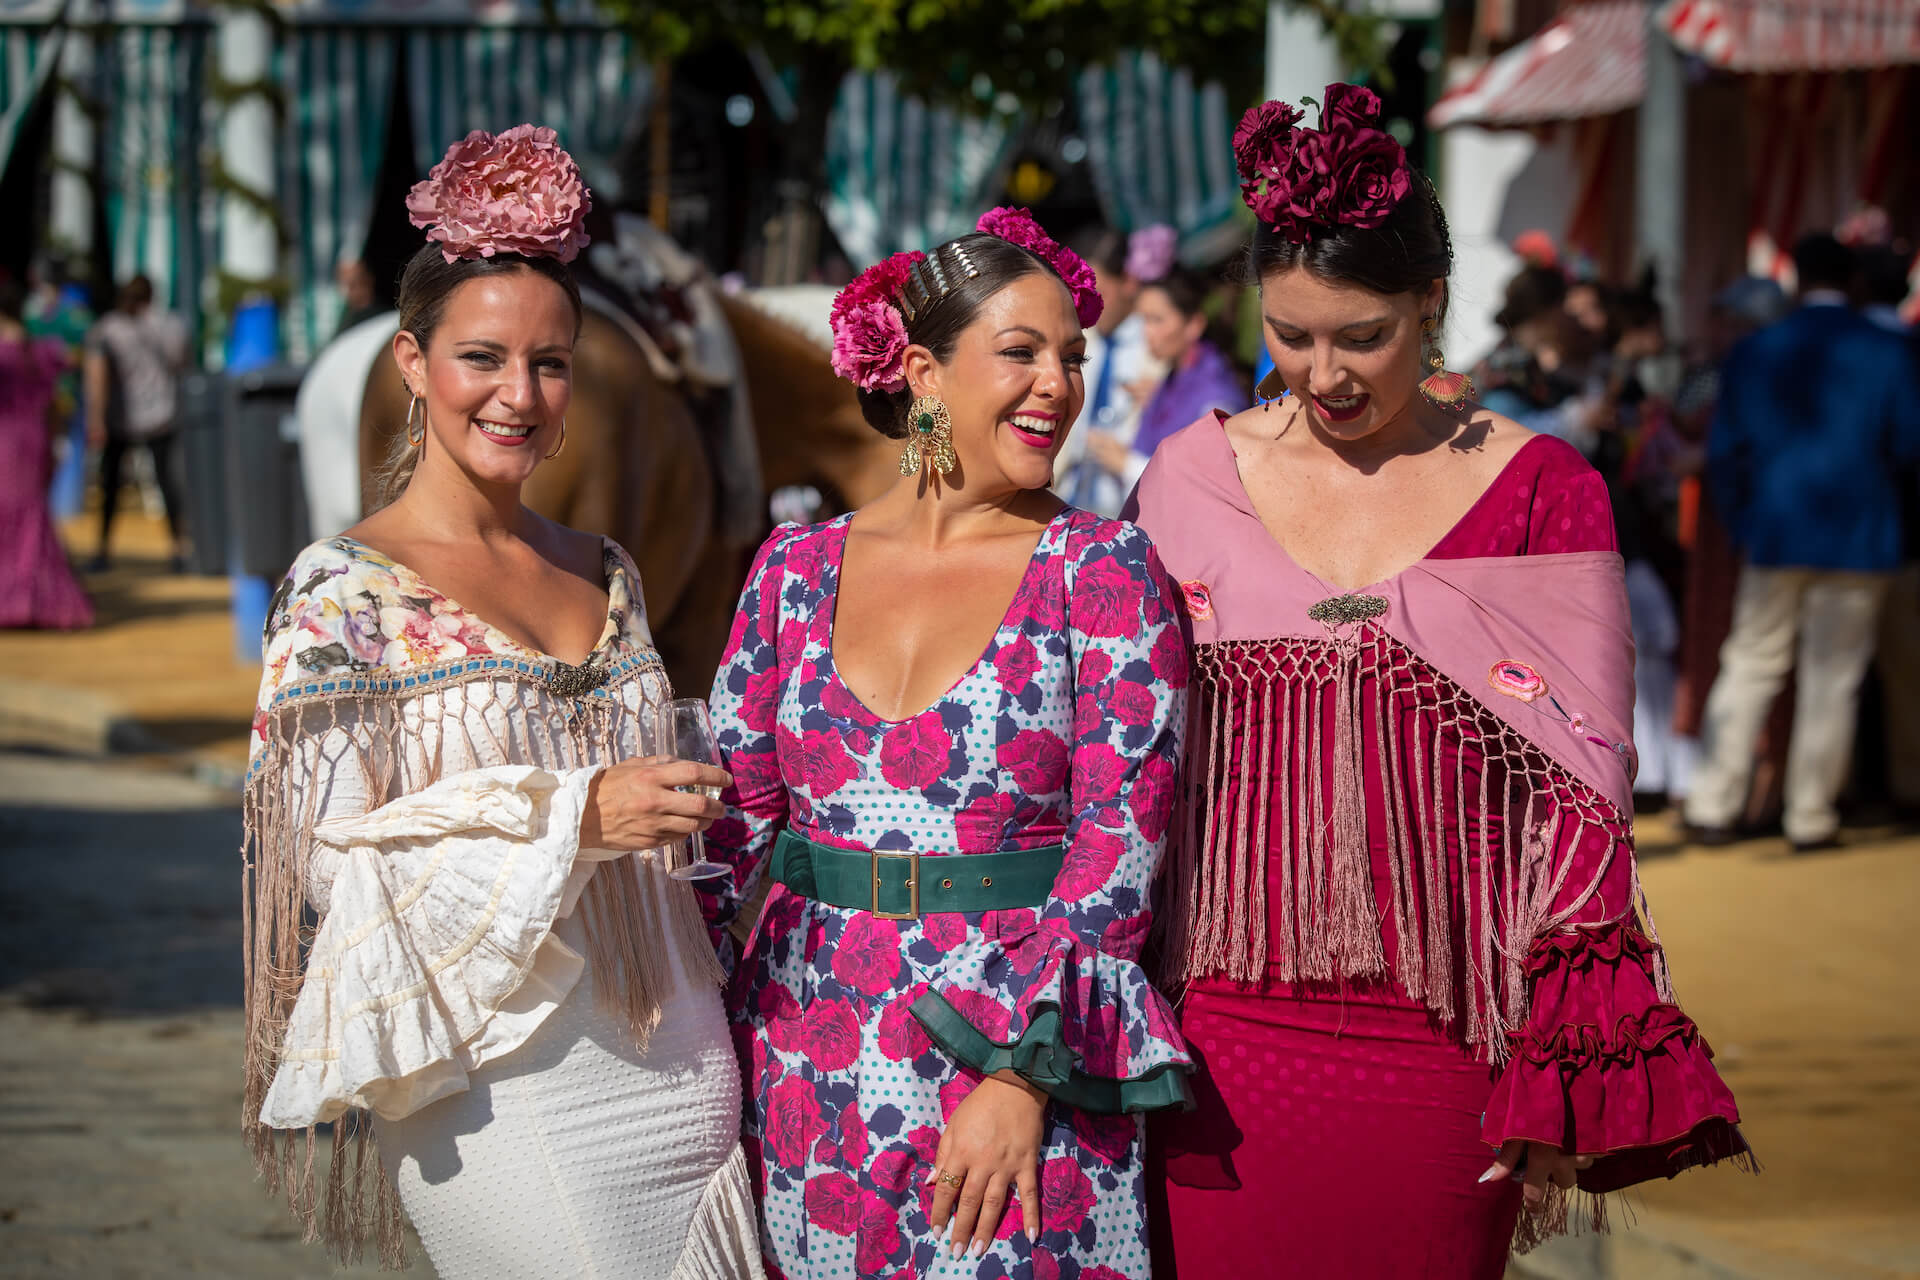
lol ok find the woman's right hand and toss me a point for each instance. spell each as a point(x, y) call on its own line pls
point(638, 804)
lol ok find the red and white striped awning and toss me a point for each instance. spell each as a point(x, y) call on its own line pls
point(1796, 35)
point(1589, 61)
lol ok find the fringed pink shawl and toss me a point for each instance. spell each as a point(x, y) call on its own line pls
point(1471, 718)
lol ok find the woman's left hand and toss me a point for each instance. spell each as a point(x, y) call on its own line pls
point(1544, 1163)
point(991, 1147)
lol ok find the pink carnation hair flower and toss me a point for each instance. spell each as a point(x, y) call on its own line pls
point(514, 192)
point(1016, 226)
point(869, 333)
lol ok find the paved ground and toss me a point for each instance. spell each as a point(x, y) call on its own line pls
point(119, 991)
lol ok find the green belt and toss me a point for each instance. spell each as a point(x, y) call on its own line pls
point(904, 886)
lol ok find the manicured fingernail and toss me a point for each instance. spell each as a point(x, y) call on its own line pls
point(1490, 1174)
point(979, 1249)
point(931, 1178)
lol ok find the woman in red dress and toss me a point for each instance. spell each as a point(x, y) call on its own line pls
point(1419, 978)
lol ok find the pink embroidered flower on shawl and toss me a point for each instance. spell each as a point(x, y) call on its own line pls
point(1516, 680)
point(515, 192)
point(1199, 600)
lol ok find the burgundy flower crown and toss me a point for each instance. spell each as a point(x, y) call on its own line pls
point(869, 316)
point(1345, 173)
point(515, 192)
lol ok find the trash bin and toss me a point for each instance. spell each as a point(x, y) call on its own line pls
point(204, 457)
point(265, 500)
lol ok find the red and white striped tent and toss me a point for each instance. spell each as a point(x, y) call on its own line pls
point(1796, 35)
point(1589, 61)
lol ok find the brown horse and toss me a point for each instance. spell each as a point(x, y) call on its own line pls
point(634, 467)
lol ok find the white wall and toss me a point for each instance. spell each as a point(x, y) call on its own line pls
point(1495, 185)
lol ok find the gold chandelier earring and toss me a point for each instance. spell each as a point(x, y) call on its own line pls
point(929, 437)
point(1442, 387)
point(413, 404)
point(563, 441)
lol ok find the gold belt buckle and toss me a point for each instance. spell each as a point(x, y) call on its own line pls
point(913, 885)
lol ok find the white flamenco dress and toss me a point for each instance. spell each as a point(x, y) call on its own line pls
point(534, 1028)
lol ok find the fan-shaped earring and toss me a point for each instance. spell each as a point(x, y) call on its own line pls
point(1443, 387)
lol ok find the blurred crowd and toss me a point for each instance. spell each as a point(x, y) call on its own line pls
point(1760, 472)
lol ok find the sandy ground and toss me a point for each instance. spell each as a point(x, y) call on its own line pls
point(119, 995)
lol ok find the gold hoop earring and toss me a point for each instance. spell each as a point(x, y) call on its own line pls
point(929, 437)
point(563, 440)
point(412, 439)
point(1443, 388)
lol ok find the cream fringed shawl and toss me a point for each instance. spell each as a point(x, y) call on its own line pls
point(412, 833)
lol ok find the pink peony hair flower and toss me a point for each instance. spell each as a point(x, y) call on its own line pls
point(515, 192)
point(1150, 251)
point(1016, 226)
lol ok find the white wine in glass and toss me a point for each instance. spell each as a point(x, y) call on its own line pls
point(686, 733)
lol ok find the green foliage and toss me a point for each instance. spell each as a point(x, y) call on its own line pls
point(968, 52)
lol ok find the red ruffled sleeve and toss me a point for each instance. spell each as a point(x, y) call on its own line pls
point(1607, 1065)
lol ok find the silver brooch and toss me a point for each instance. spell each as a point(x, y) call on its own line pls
point(1337, 611)
point(564, 680)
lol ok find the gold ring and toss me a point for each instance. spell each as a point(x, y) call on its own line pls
point(953, 1179)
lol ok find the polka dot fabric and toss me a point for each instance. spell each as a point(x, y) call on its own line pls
point(1066, 731)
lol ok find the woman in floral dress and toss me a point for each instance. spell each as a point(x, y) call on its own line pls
point(953, 719)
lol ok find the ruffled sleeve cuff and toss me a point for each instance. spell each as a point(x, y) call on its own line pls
point(1082, 1024)
point(437, 951)
point(1606, 1068)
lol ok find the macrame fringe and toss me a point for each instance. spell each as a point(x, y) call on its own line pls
point(1291, 835)
point(485, 720)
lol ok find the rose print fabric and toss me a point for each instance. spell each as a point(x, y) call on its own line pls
point(861, 1035)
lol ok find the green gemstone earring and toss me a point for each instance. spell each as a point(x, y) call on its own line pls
point(929, 437)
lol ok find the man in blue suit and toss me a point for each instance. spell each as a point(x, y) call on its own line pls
point(1808, 458)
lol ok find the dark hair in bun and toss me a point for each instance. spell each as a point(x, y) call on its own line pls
point(1404, 254)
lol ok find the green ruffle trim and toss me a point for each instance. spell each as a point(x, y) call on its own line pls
point(1042, 1055)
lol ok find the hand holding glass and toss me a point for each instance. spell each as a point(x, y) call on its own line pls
point(686, 733)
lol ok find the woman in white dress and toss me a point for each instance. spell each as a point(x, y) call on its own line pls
point(462, 940)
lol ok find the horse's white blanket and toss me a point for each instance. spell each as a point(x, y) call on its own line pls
point(328, 413)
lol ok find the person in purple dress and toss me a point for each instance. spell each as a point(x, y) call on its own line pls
point(952, 719)
point(37, 588)
point(1199, 378)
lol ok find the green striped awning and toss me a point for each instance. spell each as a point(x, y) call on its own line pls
point(1160, 147)
point(339, 86)
point(28, 55)
point(903, 175)
point(159, 210)
point(583, 82)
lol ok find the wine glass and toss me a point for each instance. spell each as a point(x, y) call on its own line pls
point(686, 733)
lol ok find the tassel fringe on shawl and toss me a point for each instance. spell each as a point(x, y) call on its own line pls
point(1273, 840)
point(452, 721)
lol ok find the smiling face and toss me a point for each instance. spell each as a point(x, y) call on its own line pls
point(1013, 384)
point(1352, 356)
point(495, 377)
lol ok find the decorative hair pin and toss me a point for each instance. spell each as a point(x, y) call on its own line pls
point(870, 316)
point(515, 192)
point(1345, 173)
